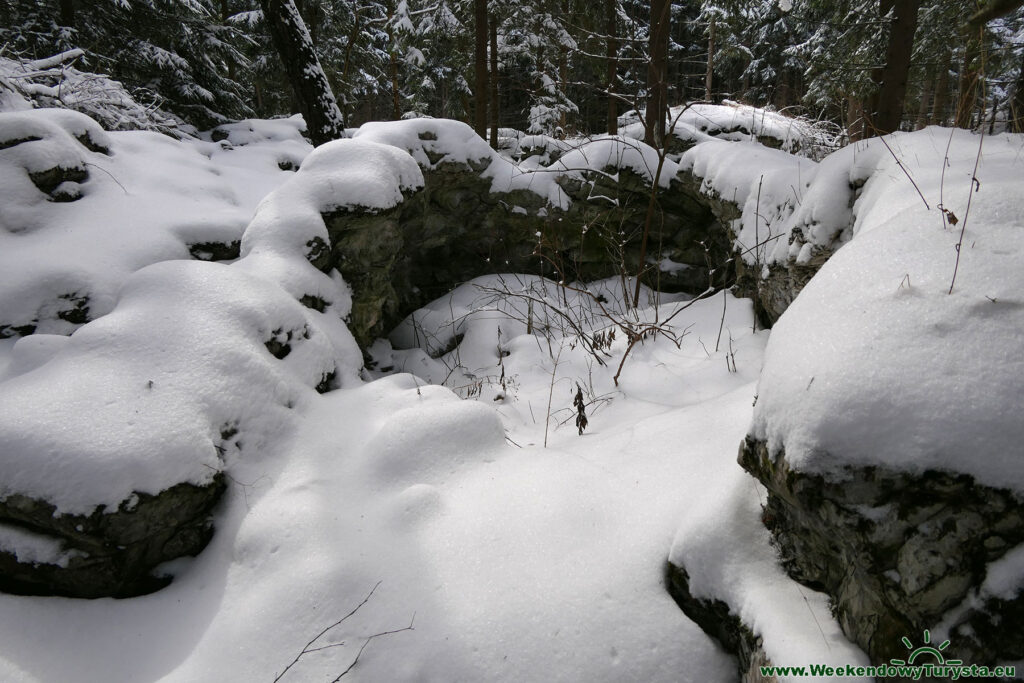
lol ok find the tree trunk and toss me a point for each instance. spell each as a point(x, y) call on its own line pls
point(67, 12)
point(495, 101)
point(887, 105)
point(970, 76)
point(1016, 122)
point(396, 100)
point(711, 60)
point(312, 91)
point(563, 71)
point(938, 116)
point(992, 119)
point(926, 99)
point(480, 68)
point(611, 27)
point(657, 73)
point(854, 119)
point(225, 14)
point(396, 107)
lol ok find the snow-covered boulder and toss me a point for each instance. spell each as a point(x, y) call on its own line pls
point(115, 441)
point(81, 209)
point(887, 426)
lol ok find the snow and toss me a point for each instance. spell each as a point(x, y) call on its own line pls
point(436, 142)
point(449, 142)
point(518, 563)
point(905, 374)
point(250, 131)
point(444, 483)
point(1005, 577)
point(55, 82)
point(127, 404)
point(145, 203)
point(735, 122)
point(728, 555)
point(768, 187)
point(30, 548)
point(617, 152)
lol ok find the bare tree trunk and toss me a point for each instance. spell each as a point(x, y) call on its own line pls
point(480, 67)
point(495, 101)
point(563, 71)
point(312, 91)
point(926, 99)
point(657, 73)
point(992, 119)
point(225, 14)
point(970, 76)
point(1016, 122)
point(854, 119)
point(938, 116)
point(396, 108)
point(67, 12)
point(396, 104)
point(887, 105)
point(711, 60)
point(611, 28)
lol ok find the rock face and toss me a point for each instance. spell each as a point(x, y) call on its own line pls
point(458, 228)
point(897, 552)
point(106, 553)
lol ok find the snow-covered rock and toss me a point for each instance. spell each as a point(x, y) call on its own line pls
point(886, 427)
point(81, 209)
point(113, 441)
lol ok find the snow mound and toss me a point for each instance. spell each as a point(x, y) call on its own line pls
point(67, 250)
point(735, 122)
point(189, 363)
point(179, 379)
point(543, 146)
point(876, 363)
point(616, 152)
point(431, 142)
point(33, 145)
point(768, 186)
point(249, 131)
point(437, 143)
point(465, 428)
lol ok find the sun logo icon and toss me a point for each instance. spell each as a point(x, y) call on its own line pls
point(926, 649)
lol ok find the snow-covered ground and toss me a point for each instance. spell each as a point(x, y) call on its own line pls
point(492, 539)
point(511, 560)
point(519, 563)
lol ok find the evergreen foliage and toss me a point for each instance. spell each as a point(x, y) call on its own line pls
point(208, 61)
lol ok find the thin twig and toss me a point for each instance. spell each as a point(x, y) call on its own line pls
point(306, 650)
point(906, 172)
point(367, 642)
point(975, 186)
